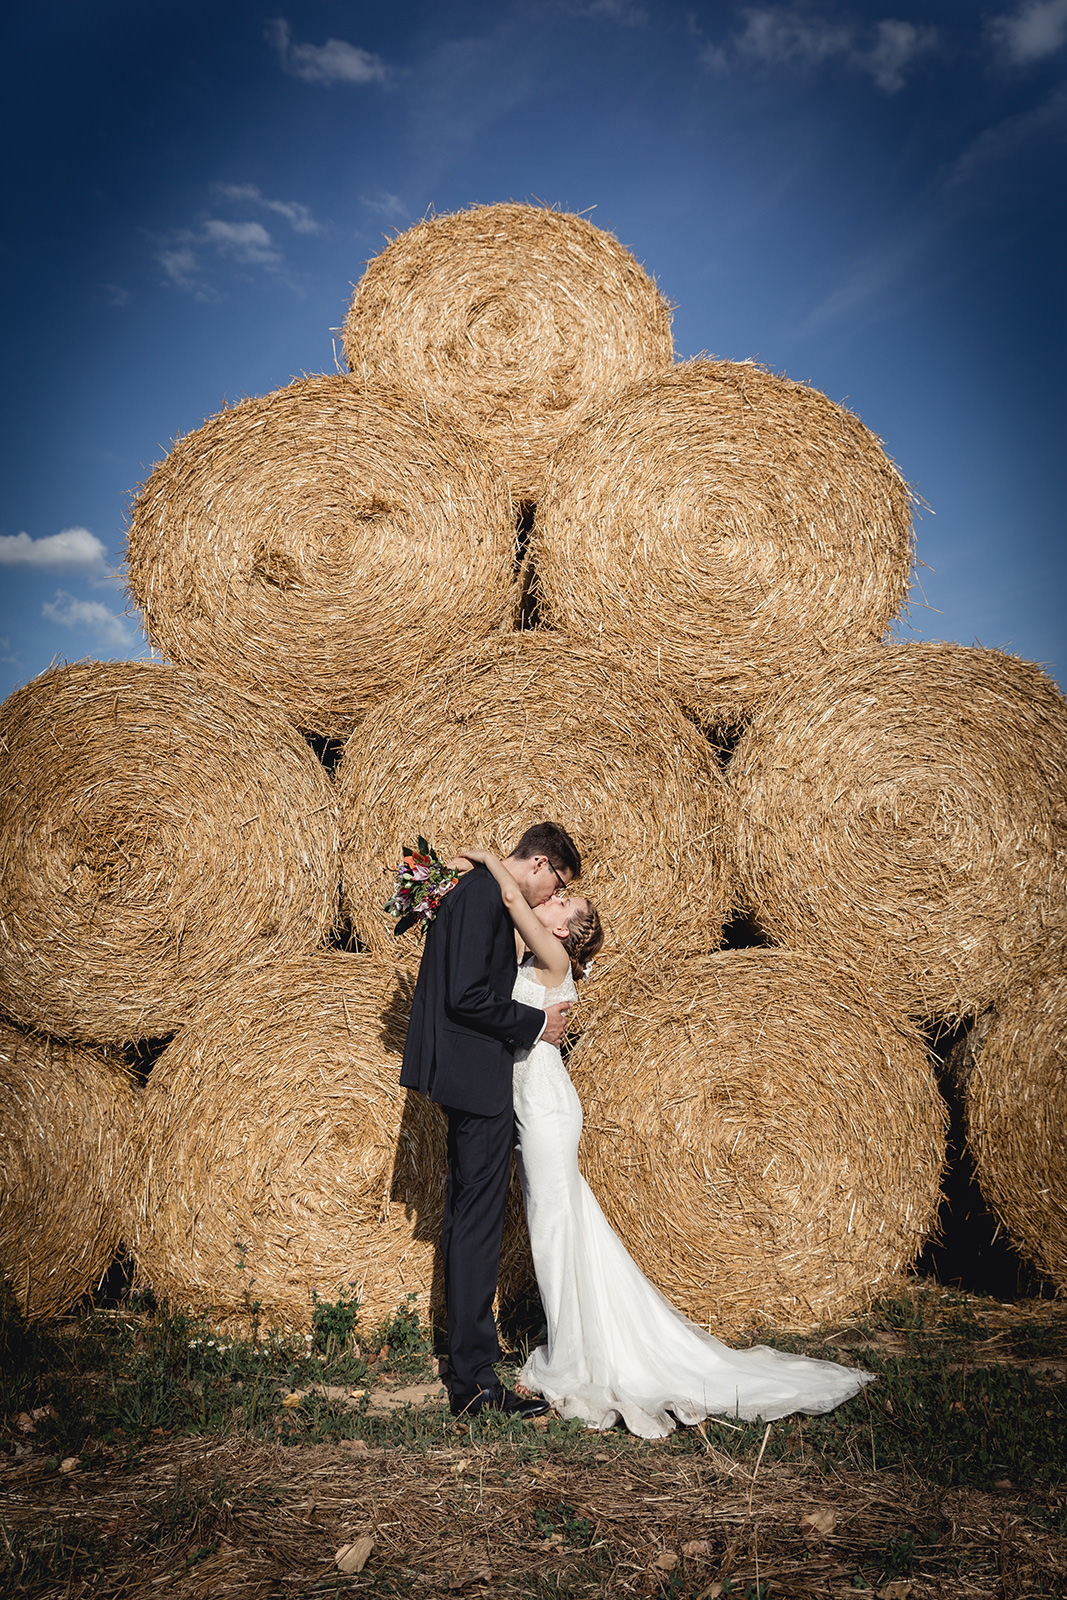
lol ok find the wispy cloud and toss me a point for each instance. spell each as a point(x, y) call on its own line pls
point(91, 616)
point(626, 12)
point(298, 216)
point(784, 39)
point(74, 547)
point(869, 278)
point(896, 47)
point(336, 61)
point(8, 657)
point(993, 164)
point(1009, 138)
point(181, 265)
point(1034, 30)
point(246, 242)
point(386, 205)
point(117, 295)
point(188, 254)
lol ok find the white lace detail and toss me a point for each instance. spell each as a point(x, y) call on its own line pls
point(532, 993)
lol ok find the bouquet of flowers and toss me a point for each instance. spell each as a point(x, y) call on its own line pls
point(422, 881)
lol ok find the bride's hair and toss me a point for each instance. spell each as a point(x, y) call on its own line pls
point(584, 937)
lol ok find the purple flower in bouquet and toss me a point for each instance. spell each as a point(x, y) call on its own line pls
point(422, 881)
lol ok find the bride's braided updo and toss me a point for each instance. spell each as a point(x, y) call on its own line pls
point(584, 936)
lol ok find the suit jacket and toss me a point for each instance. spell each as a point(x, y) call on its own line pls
point(465, 1028)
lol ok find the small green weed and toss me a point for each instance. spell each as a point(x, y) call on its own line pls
point(409, 1340)
point(562, 1524)
point(333, 1324)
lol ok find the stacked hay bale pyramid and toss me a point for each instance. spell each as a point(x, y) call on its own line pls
point(517, 563)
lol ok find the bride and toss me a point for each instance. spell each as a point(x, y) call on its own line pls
point(616, 1348)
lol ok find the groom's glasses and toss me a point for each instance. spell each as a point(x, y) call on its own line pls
point(559, 880)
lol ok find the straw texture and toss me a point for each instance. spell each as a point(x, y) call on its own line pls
point(156, 832)
point(513, 318)
point(905, 809)
point(766, 1137)
point(316, 545)
point(65, 1116)
point(1015, 1105)
point(532, 726)
point(279, 1155)
point(726, 525)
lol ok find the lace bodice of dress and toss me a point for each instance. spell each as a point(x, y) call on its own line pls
point(532, 993)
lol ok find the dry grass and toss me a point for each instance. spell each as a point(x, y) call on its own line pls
point(1015, 1102)
point(766, 1137)
point(65, 1117)
point(904, 810)
point(726, 526)
point(808, 1510)
point(513, 319)
point(158, 833)
point(316, 545)
point(536, 725)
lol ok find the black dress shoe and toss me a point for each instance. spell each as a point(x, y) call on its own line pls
point(498, 1399)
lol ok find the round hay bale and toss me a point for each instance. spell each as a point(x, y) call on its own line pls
point(512, 318)
point(531, 726)
point(727, 525)
point(279, 1157)
point(766, 1137)
point(1015, 1108)
point(316, 545)
point(66, 1114)
point(904, 809)
point(157, 831)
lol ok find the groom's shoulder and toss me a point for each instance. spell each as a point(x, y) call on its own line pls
point(478, 886)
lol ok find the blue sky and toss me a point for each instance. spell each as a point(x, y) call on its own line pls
point(869, 197)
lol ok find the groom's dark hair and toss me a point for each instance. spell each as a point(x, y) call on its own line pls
point(549, 839)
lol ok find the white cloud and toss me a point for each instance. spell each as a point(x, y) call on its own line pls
point(1034, 30)
point(298, 216)
point(8, 658)
point(90, 616)
point(74, 547)
point(247, 242)
point(181, 264)
point(117, 295)
point(896, 46)
point(777, 37)
point(186, 254)
point(336, 61)
point(386, 205)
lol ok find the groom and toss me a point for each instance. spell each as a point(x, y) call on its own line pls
point(463, 1036)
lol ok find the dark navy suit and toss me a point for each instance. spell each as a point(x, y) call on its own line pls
point(464, 1032)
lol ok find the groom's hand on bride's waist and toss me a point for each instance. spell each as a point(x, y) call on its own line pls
point(556, 1025)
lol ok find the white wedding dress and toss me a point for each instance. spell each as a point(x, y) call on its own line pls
point(617, 1348)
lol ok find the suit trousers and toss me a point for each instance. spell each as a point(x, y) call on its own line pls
point(479, 1170)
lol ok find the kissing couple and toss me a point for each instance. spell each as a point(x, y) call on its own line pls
point(495, 986)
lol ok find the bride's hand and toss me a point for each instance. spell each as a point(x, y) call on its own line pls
point(465, 859)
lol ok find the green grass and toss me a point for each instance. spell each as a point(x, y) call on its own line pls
point(938, 1410)
point(188, 1464)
